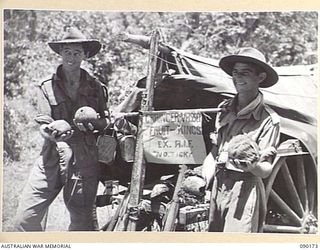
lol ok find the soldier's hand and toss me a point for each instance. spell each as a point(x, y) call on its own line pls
point(123, 36)
point(84, 127)
point(85, 118)
point(65, 153)
point(47, 133)
point(58, 130)
point(268, 152)
point(64, 136)
point(114, 116)
point(244, 165)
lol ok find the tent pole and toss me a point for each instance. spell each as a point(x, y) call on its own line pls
point(138, 169)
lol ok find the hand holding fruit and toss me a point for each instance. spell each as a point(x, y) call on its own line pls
point(243, 152)
point(85, 118)
point(59, 130)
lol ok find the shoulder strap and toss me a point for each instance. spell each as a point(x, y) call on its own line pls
point(274, 116)
point(105, 91)
point(47, 90)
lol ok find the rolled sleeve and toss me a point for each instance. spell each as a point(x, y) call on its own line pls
point(43, 106)
point(270, 136)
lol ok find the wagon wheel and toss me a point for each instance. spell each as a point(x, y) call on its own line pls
point(291, 192)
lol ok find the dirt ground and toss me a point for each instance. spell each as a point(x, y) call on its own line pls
point(15, 175)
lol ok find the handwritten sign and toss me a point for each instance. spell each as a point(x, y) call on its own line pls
point(173, 138)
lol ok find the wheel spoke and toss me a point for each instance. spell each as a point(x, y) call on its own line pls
point(302, 184)
point(282, 229)
point(311, 195)
point(276, 166)
point(311, 177)
point(285, 208)
point(292, 196)
point(292, 190)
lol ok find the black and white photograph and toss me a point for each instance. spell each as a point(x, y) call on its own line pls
point(137, 121)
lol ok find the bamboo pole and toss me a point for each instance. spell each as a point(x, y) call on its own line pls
point(138, 169)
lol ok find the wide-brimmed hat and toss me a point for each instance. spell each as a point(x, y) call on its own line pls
point(73, 35)
point(254, 56)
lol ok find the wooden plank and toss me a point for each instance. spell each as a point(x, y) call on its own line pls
point(282, 229)
point(290, 147)
point(113, 221)
point(122, 222)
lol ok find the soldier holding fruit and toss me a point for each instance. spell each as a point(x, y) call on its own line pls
point(72, 105)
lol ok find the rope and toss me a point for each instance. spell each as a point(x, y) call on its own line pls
point(134, 213)
point(171, 63)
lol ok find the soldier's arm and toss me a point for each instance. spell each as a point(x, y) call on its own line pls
point(208, 169)
point(104, 120)
point(268, 144)
point(263, 169)
point(44, 111)
point(50, 129)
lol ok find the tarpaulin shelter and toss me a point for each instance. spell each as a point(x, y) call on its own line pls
point(294, 97)
point(187, 81)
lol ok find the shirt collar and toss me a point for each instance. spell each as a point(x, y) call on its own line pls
point(254, 108)
point(83, 77)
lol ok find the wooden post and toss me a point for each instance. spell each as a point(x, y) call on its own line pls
point(138, 169)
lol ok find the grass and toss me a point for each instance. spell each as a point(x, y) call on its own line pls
point(15, 175)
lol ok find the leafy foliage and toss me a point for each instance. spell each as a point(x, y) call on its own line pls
point(286, 38)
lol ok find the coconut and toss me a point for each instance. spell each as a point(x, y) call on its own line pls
point(85, 115)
